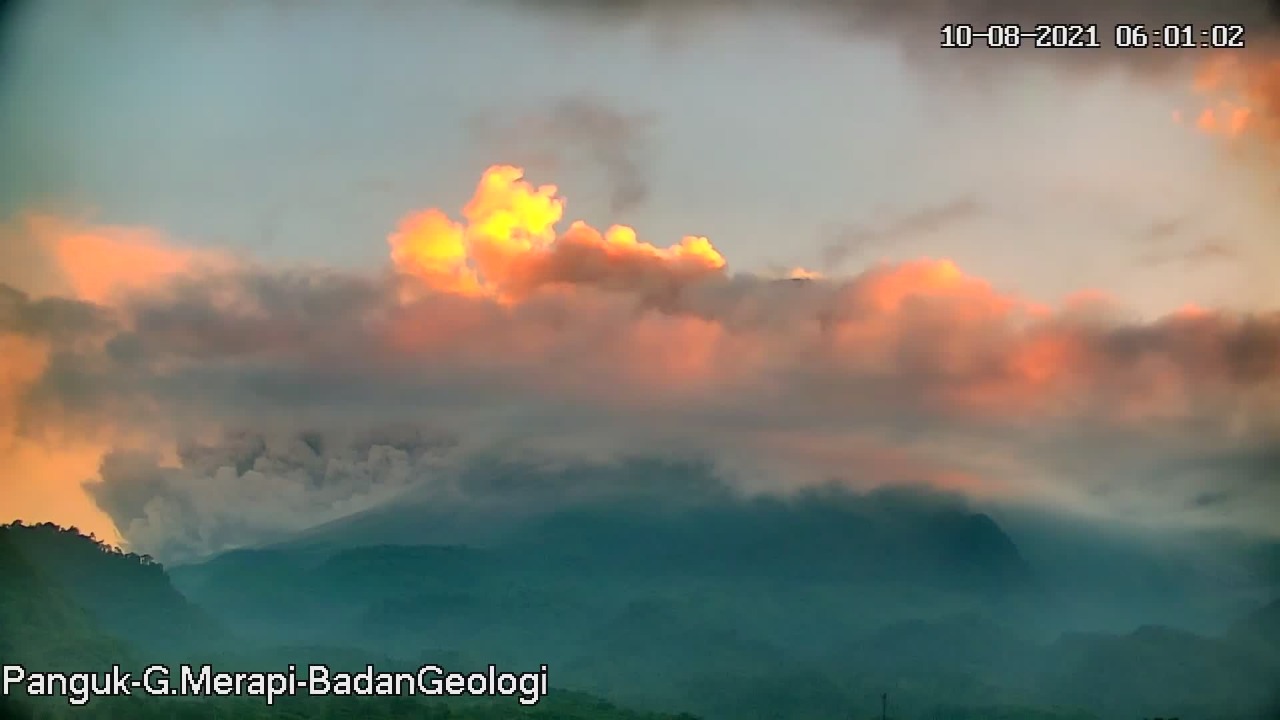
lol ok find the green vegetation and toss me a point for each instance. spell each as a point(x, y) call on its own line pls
point(563, 706)
point(41, 626)
point(721, 647)
point(128, 596)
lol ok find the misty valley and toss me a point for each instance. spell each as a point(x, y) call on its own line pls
point(822, 605)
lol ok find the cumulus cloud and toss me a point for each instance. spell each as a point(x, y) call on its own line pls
point(1242, 99)
point(583, 128)
point(507, 334)
point(508, 246)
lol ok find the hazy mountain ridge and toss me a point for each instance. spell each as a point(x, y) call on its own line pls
point(884, 535)
point(42, 628)
point(656, 604)
point(1260, 627)
point(556, 576)
point(1163, 670)
point(643, 624)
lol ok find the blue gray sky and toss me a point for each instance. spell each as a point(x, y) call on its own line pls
point(305, 131)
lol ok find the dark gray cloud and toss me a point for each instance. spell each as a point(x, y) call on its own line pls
point(1210, 250)
point(915, 25)
point(249, 487)
point(586, 130)
point(254, 487)
point(851, 241)
point(274, 313)
point(1174, 241)
point(1249, 475)
point(1194, 256)
point(910, 375)
point(60, 320)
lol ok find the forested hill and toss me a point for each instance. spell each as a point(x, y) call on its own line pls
point(129, 596)
point(50, 574)
point(40, 625)
point(723, 647)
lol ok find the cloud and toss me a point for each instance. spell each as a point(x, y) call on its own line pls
point(508, 247)
point(1209, 250)
point(95, 263)
point(48, 438)
point(851, 241)
point(1244, 98)
point(510, 335)
point(587, 129)
point(258, 486)
point(914, 25)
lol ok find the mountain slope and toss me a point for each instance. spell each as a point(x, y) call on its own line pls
point(40, 626)
point(127, 595)
point(884, 536)
point(798, 572)
point(1260, 628)
point(1158, 671)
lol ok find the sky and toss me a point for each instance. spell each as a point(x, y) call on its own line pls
point(1028, 275)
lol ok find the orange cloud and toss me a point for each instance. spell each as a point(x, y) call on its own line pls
point(98, 263)
point(507, 247)
point(432, 247)
point(45, 483)
point(505, 324)
point(977, 350)
point(49, 452)
point(41, 480)
point(800, 273)
point(1246, 96)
